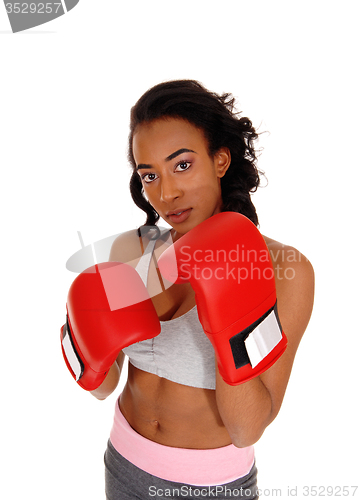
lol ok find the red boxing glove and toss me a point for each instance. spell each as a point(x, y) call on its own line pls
point(108, 308)
point(227, 262)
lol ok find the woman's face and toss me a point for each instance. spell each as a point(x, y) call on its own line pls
point(180, 180)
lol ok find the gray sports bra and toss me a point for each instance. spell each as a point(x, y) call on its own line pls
point(181, 352)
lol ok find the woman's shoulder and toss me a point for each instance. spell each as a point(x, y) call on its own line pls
point(294, 276)
point(289, 264)
point(129, 245)
point(287, 257)
point(126, 247)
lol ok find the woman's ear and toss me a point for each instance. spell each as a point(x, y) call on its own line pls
point(222, 161)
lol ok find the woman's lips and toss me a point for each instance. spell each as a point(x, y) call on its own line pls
point(179, 216)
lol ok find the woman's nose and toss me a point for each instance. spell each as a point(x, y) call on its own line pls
point(170, 190)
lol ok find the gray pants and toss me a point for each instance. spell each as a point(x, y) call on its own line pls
point(125, 481)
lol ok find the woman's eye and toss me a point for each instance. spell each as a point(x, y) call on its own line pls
point(148, 178)
point(182, 165)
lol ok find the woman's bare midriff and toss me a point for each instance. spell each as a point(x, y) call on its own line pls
point(172, 414)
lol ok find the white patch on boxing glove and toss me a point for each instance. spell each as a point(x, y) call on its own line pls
point(71, 355)
point(263, 339)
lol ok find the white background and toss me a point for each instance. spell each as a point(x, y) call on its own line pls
point(66, 89)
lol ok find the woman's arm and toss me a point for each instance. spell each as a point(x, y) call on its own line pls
point(111, 381)
point(123, 249)
point(247, 409)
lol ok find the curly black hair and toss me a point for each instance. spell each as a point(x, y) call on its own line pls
point(215, 115)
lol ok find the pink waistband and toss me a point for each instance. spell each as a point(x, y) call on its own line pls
point(190, 466)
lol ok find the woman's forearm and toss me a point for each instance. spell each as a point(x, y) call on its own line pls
point(245, 409)
point(111, 381)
